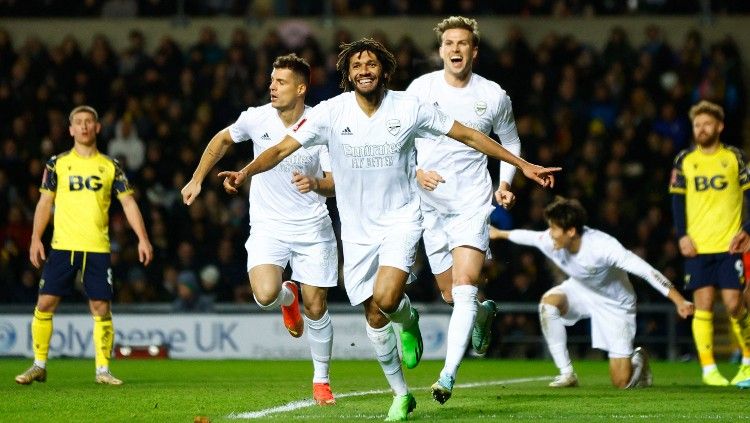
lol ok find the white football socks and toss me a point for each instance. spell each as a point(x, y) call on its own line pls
point(384, 342)
point(402, 315)
point(285, 298)
point(556, 337)
point(460, 326)
point(320, 337)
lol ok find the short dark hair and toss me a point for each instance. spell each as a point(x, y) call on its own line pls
point(386, 58)
point(296, 64)
point(458, 22)
point(566, 213)
point(708, 108)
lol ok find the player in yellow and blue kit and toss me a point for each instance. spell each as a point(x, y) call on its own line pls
point(709, 182)
point(79, 184)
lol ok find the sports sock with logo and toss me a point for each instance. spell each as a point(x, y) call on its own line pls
point(703, 335)
point(459, 327)
point(320, 337)
point(41, 333)
point(384, 342)
point(556, 337)
point(741, 329)
point(104, 337)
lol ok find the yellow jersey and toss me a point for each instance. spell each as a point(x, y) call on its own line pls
point(83, 188)
point(713, 186)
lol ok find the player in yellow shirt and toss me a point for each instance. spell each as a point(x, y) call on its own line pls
point(709, 182)
point(79, 184)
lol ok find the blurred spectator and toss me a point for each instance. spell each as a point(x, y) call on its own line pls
point(189, 296)
point(613, 117)
point(119, 9)
point(126, 146)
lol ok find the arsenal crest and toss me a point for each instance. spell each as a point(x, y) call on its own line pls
point(480, 107)
point(394, 126)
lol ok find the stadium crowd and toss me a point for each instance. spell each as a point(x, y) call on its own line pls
point(614, 118)
point(265, 8)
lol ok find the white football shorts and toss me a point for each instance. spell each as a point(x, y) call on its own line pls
point(361, 261)
point(445, 231)
point(312, 257)
point(612, 323)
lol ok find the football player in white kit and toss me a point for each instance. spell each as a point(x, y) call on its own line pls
point(598, 288)
point(289, 220)
point(370, 133)
point(456, 189)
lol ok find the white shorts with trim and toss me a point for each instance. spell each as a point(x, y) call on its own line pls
point(445, 231)
point(612, 323)
point(312, 257)
point(361, 261)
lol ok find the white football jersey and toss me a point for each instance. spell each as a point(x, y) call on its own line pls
point(372, 158)
point(275, 202)
point(481, 105)
point(601, 264)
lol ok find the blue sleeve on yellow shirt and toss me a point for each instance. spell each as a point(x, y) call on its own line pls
point(120, 185)
point(49, 179)
point(678, 213)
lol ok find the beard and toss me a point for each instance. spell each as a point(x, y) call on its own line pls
point(374, 94)
point(707, 139)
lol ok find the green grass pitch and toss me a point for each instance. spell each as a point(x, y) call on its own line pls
point(235, 390)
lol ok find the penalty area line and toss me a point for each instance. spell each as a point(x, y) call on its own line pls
point(297, 405)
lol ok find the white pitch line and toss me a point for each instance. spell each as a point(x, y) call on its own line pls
point(297, 405)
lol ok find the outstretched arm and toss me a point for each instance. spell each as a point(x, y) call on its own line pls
point(544, 176)
point(265, 161)
point(628, 261)
point(214, 151)
point(496, 233)
point(684, 307)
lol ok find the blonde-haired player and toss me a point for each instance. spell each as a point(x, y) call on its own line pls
point(709, 184)
point(456, 188)
point(78, 184)
point(370, 133)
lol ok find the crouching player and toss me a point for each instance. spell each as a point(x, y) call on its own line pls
point(598, 288)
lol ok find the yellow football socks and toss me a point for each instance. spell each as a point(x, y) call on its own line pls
point(741, 329)
point(703, 334)
point(41, 333)
point(104, 337)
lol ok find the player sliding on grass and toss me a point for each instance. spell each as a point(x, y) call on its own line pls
point(370, 135)
point(598, 288)
point(288, 216)
point(78, 184)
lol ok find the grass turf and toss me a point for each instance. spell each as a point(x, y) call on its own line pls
point(177, 391)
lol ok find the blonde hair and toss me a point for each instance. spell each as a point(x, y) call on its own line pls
point(83, 108)
point(458, 22)
point(708, 108)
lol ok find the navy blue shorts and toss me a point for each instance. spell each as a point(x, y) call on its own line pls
point(61, 267)
point(722, 270)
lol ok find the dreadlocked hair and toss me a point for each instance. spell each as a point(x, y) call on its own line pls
point(386, 58)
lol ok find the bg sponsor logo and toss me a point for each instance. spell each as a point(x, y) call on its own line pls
point(718, 182)
point(77, 183)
